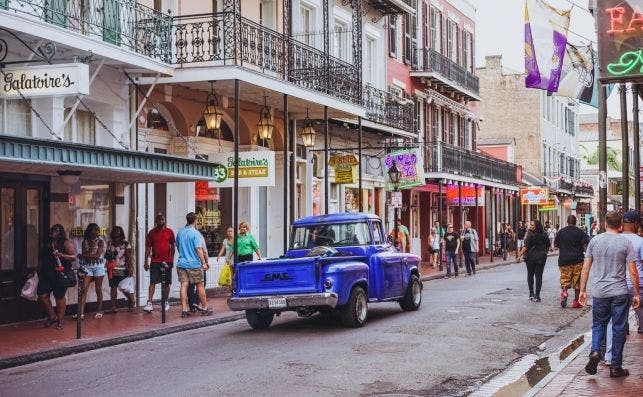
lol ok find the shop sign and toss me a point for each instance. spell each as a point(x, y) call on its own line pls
point(583, 208)
point(255, 169)
point(396, 199)
point(549, 206)
point(203, 192)
point(467, 193)
point(79, 232)
point(345, 170)
point(208, 218)
point(45, 80)
point(620, 39)
point(409, 162)
point(534, 196)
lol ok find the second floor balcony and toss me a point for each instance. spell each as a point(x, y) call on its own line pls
point(124, 23)
point(454, 160)
point(386, 108)
point(446, 73)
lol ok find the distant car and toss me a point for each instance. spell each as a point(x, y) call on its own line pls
point(337, 262)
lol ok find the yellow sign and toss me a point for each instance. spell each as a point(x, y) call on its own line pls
point(250, 172)
point(550, 206)
point(78, 231)
point(344, 167)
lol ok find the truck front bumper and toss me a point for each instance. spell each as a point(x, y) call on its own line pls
point(327, 299)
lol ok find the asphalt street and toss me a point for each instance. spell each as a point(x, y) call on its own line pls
point(467, 330)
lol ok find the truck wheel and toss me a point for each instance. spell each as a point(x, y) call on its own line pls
point(413, 297)
point(259, 319)
point(354, 313)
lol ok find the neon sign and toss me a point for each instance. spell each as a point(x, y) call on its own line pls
point(617, 15)
point(627, 63)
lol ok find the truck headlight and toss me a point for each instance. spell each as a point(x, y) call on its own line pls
point(328, 283)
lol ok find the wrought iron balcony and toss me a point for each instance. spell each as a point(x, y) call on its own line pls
point(450, 159)
point(389, 109)
point(228, 39)
point(391, 7)
point(123, 23)
point(449, 74)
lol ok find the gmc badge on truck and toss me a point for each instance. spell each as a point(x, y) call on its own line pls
point(276, 276)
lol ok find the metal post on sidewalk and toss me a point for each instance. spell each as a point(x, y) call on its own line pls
point(79, 320)
point(163, 284)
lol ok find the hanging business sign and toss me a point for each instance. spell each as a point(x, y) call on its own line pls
point(345, 167)
point(620, 39)
point(45, 80)
point(466, 193)
point(255, 169)
point(549, 206)
point(409, 163)
point(534, 196)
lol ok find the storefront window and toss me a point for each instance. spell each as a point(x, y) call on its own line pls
point(87, 203)
point(351, 197)
point(210, 213)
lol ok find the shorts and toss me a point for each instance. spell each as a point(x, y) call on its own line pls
point(520, 243)
point(156, 276)
point(95, 271)
point(115, 280)
point(245, 258)
point(191, 276)
point(47, 284)
point(570, 275)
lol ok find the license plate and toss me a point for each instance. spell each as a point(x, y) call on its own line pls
point(275, 303)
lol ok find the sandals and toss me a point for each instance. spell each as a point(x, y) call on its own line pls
point(185, 313)
point(204, 310)
point(59, 325)
point(98, 315)
point(75, 316)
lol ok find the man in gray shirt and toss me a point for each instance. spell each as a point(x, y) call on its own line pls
point(609, 256)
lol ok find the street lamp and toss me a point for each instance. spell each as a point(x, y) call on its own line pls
point(265, 125)
point(394, 176)
point(308, 132)
point(211, 114)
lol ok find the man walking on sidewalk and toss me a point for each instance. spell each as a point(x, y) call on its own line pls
point(191, 264)
point(571, 242)
point(469, 243)
point(631, 222)
point(521, 232)
point(451, 245)
point(159, 243)
point(610, 255)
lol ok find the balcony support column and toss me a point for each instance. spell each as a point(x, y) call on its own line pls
point(492, 222)
point(326, 178)
point(293, 170)
point(235, 194)
point(602, 155)
point(636, 144)
point(359, 163)
point(625, 149)
point(476, 220)
point(285, 179)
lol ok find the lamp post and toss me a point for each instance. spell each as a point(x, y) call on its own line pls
point(308, 132)
point(394, 176)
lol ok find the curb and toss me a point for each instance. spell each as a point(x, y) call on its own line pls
point(490, 266)
point(66, 351)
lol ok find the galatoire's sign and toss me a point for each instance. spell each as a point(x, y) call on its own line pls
point(620, 39)
point(45, 80)
point(255, 169)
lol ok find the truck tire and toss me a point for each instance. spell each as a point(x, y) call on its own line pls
point(413, 298)
point(355, 312)
point(259, 319)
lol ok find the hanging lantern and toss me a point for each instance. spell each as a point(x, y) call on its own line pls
point(308, 132)
point(265, 125)
point(394, 175)
point(212, 115)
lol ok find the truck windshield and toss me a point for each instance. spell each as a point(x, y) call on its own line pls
point(335, 235)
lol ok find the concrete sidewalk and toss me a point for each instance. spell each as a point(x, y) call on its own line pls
point(29, 342)
point(574, 381)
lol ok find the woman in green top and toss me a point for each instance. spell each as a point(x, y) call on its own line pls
point(246, 244)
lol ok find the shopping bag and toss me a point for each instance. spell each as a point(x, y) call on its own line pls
point(30, 289)
point(127, 285)
point(225, 277)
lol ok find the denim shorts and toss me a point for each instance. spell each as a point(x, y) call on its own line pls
point(95, 271)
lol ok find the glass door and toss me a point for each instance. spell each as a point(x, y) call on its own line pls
point(8, 239)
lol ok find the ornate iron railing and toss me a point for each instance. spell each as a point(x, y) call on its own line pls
point(202, 38)
point(455, 160)
point(120, 22)
point(386, 108)
point(438, 63)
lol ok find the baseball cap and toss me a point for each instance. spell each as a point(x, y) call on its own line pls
point(631, 217)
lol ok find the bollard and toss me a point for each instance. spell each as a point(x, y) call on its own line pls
point(163, 270)
point(80, 278)
point(440, 259)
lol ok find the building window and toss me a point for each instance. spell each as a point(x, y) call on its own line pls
point(15, 117)
point(452, 40)
point(87, 203)
point(212, 206)
point(410, 37)
point(341, 49)
point(81, 128)
point(435, 21)
point(467, 56)
point(392, 35)
point(370, 61)
point(307, 23)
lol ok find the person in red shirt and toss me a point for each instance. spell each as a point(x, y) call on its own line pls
point(159, 245)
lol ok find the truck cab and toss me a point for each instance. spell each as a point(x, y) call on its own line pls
point(337, 262)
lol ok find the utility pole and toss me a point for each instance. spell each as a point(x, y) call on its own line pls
point(625, 149)
point(602, 155)
point(636, 144)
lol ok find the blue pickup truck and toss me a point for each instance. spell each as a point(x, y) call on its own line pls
point(337, 262)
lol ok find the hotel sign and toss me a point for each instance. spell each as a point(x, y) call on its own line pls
point(255, 169)
point(45, 80)
point(620, 39)
point(344, 167)
point(534, 196)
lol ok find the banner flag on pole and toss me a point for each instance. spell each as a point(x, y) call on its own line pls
point(545, 42)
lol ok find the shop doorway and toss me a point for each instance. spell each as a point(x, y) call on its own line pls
point(24, 221)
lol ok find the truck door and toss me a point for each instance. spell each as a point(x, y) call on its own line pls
point(390, 266)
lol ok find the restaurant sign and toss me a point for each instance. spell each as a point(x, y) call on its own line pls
point(344, 167)
point(620, 39)
point(409, 162)
point(549, 206)
point(255, 169)
point(45, 80)
point(534, 196)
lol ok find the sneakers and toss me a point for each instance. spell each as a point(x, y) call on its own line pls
point(618, 372)
point(148, 308)
point(167, 307)
point(576, 305)
point(531, 297)
point(592, 364)
point(563, 299)
point(537, 299)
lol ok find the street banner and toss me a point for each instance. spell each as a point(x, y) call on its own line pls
point(579, 77)
point(345, 167)
point(255, 169)
point(545, 41)
point(534, 196)
point(409, 162)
